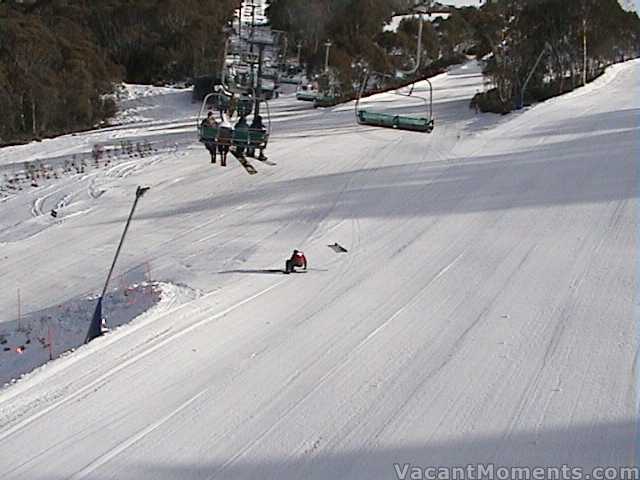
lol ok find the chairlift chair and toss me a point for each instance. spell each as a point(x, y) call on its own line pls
point(327, 98)
point(306, 92)
point(254, 137)
point(416, 123)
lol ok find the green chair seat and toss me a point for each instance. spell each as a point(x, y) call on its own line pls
point(224, 136)
point(240, 136)
point(377, 119)
point(258, 138)
point(306, 97)
point(208, 134)
point(250, 138)
point(417, 124)
point(325, 101)
point(412, 123)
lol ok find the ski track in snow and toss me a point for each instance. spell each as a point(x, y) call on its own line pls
point(131, 441)
point(483, 312)
point(131, 359)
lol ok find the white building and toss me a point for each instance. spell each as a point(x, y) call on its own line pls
point(247, 11)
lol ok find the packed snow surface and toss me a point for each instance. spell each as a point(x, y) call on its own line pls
point(484, 311)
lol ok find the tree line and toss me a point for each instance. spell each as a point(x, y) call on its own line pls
point(358, 40)
point(557, 45)
point(59, 59)
point(572, 41)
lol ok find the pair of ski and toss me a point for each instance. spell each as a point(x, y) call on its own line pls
point(250, 169)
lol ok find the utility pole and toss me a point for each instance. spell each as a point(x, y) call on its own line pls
point(253, 7)
point(258, 89)
point(259, 86)
point(584, 50)
point(278, 34)
point(286, 52)
point(224, 60)
point(299, 52)
point(327, 45)
point(584, 8)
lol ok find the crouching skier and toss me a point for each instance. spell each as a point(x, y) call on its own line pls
point(297, 260)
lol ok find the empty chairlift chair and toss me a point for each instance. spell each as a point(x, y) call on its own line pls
point(420, 122)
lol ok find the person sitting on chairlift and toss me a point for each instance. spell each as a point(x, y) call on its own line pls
point(210, 122)
point(257, 125)
point(211, 119)
point(241, 126)
point(225, 134)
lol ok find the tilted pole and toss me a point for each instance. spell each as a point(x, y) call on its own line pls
point(418, 50)
point(535, 66)
point(95, 329)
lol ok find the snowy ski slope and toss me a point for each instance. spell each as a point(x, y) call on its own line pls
point(483, 313)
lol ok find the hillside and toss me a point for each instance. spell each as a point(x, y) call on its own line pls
point(484, 311)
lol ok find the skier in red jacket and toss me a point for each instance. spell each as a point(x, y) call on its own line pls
point(297, 260)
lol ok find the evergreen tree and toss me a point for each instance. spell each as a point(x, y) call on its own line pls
point(58, 58)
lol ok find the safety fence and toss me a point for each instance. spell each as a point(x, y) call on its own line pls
point(31, 339)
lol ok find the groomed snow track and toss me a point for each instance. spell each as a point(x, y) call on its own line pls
point(483, 314)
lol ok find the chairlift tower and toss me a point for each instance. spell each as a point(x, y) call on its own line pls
point(258, 97)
